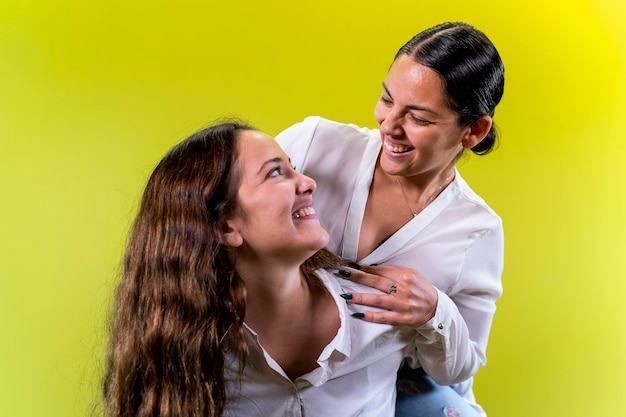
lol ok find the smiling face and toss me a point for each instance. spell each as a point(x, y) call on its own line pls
point(275, 221)
point(419, 131)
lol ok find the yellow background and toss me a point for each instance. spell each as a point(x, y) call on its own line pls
point(93, 93)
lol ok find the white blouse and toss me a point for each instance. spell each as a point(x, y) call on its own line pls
point(356, 374)
point(456, 242)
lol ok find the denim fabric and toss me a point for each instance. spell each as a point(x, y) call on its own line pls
point(420, 396)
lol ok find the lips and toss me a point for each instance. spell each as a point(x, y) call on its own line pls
point(303, 212)
point(395, 148)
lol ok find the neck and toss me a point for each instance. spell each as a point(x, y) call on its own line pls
point(272, 290)
point(420, 190)
point(293, 322)
point(424, 181)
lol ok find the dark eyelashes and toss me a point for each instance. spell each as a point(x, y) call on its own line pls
point(278, 170)
point(420, 121)
point(274, 171)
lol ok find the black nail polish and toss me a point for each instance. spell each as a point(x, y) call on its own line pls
point(344, 273)
point(346, 296)
point(358, 315)
point(354, 265)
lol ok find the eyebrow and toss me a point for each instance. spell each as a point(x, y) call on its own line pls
point(412, 106)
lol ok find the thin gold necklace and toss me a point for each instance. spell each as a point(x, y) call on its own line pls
point(445, 182)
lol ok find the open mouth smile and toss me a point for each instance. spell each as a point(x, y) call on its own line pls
point(303, 212)
point(394, 148)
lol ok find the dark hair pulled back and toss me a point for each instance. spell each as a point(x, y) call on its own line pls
point(470, 67)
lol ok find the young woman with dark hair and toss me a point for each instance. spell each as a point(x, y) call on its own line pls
point(393, 196)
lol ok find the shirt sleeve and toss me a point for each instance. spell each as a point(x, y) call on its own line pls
point(452, 345)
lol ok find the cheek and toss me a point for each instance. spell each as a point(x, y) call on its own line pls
point(429, 144)
point(453, 138)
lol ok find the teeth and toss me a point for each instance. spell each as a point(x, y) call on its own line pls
point(396, 148)
point(304, 212)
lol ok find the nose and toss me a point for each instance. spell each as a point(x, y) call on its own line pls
point(304, 184)
point(390, 123)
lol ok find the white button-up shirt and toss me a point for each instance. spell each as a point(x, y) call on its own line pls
point(456, 242)
point(356, 374)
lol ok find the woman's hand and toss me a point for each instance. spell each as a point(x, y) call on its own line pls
point(410, 299)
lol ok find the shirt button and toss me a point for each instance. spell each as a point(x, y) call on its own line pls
point(440, 326)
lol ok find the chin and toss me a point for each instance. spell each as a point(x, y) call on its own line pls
point(390, 167)
point(406, 168)
point(326, 238)
point(321, 241)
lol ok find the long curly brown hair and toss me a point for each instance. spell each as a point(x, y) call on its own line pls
point(180, 304)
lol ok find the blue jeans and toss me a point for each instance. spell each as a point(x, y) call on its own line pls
point(420, 396)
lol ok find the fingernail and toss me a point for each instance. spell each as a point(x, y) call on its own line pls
point(354, 265)
point(344, 273)
point(346, 296)
point(358, 315)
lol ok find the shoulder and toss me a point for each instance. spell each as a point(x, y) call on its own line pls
point(474, 205)
point(318, 146)
point(320, 129)
point(298, 131)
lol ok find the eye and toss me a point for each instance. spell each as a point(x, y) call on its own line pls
point(419, 121)
point(386, 100)
point(274, 172)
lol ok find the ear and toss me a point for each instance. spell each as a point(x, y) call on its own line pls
point(229, 235)
point(476, 132)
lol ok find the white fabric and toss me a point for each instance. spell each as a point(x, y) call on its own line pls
point(456, 242)
point(356, 374)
